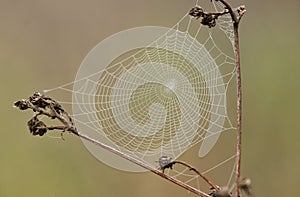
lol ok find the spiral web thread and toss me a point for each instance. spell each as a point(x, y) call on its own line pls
point(160, 99)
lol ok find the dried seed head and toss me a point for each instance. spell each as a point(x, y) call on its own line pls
point(38, 100)
point(245, 185)
point(37, 127)
point(196, 12)
point(222, 192)
point(22, 104)
point(242, 8)
point(209, 20)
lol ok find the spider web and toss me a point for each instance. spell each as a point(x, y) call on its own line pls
point(160, 99)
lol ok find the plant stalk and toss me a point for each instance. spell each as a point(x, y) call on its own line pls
point(236, 21)
point(143, 165)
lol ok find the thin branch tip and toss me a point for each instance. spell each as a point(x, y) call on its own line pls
point(210, 18)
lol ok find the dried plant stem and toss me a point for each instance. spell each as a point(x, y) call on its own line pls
point(239, 109)
point(198, 173)
point(209, 19)
point(46, 106)
point(143, 165)
point(236, 20)
point(138, 162)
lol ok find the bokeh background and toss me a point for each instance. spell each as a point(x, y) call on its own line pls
point(42, 44)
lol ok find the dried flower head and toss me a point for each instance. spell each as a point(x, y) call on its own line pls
point(22, 104)
point(37, 127)
point(209, 20)
point(196, 12)
point(221, 192)
point(37, 99)
point(245, 185)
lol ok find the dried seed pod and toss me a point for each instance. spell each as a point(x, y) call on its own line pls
point(222, 192)
point(37, 100)
point(22, 104)
point(196, 12)
point(245, 185)
point(37, 127)
point(209, 20)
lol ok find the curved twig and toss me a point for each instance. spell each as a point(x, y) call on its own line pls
point(198, 173)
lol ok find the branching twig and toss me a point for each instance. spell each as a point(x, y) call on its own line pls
point(207, 18)
point(166, 162)
point(46, 106)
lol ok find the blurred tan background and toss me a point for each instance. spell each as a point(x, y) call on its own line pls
point(42, 44)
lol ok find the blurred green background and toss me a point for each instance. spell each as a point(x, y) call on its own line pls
point(42, 44)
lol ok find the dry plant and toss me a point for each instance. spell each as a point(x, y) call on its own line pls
point(46, 106)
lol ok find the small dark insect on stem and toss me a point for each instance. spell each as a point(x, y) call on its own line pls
point(167, 163)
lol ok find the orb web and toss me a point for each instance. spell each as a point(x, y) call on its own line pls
point(154, 107)
point(154, 91)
